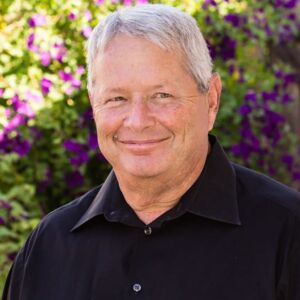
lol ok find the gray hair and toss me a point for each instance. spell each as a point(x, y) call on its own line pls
point(166, 26)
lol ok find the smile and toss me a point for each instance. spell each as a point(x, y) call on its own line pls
point(142, 145)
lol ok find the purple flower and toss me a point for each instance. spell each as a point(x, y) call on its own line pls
point(72, 16)
point(250, 96)
point(86, 118)
point(288, 79)
point(73, 146)
point(65, 76)
point(5, 205)
point(86, 31)
point(45, 58)
point(209, 2)
point(2, 221)
point(274, 117)
point(271, 170)
point(286, 98)
point(12, 255)
point(46, 85)
point(30, 43)
point(245, 109)
point(234, 19)
point(269, 96)
point(296, 175)
point(292, 17)
point(22, 148)
point(37, 20)
point(208, 20)
point(279, 74)
point(290, 4)
point(74, 179)
point(79, 159)
point(288, 160)
point(268, 30)
point(93, 141)
point(241, 149)
point(127, 2)
point(22, 107)
point(1, 137)
point(227, 48)
point(59, 52)
point(16, 121)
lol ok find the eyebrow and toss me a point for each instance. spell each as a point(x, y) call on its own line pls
point(123, 89)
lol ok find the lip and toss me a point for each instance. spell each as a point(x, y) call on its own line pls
point(142, 145)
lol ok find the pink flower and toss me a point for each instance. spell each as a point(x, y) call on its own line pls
point(76, 83)
point(1, 92)
point(46, 85)
point(59, 52)
point(80, 70)
point(72, 16)
point(37, 20)
point(99, 2)
point(127, 2)
point(88, 15)
point(30, 43)
point(33, 96)
point(16, 121)
point(45, 58)
point(65, 76)
point(86, 31)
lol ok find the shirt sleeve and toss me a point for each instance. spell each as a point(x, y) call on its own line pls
point(13, 285)
point(289, 288)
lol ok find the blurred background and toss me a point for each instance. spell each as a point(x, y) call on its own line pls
point(48, 145)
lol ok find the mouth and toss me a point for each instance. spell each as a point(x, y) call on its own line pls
point(142, 145)
point(142, 142)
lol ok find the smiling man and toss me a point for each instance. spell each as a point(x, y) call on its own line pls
point(175, 219)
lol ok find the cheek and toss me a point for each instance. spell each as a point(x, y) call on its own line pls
point(106, 123)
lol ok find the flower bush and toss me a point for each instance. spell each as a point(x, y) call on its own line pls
point(48, 144)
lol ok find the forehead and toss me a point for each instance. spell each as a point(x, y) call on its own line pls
point(132, 60)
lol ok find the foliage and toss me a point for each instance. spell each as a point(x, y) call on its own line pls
point(48, 144)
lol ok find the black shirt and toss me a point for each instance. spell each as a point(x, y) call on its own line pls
point(235, 235)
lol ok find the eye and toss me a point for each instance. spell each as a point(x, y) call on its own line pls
point(162, 95)
point(116, 99)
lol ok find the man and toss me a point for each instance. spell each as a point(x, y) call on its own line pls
point(174, 219)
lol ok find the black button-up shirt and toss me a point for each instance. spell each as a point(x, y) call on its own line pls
point(234, 235)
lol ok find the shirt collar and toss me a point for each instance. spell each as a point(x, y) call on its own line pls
point(212, 196)
point(215, 192)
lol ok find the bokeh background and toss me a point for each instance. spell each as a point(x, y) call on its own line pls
point(48, 145)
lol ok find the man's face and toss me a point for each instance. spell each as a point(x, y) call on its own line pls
point(151, 118)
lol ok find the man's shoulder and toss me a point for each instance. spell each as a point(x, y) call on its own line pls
point(65, 216)
point(265, 191)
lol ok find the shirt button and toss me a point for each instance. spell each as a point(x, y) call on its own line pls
point(148, 230)
point(137, 287)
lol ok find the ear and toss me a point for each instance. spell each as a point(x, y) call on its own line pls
point(214, 94)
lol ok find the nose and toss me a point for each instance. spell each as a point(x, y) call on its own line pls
point(139, 116)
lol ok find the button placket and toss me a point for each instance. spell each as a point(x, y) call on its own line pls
point(137, 287)
point(148, 230)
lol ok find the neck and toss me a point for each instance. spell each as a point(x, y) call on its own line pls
point(150, 197)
